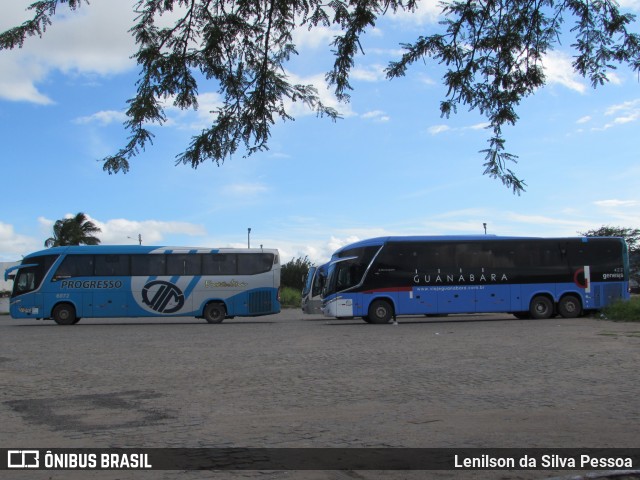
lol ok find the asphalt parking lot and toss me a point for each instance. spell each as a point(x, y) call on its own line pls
point(290, 380)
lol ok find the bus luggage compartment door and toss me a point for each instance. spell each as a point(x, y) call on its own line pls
point(109, 303)
point(457, 300)
point(493, 298)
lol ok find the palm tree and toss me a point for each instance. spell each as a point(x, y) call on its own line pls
point(73, 231)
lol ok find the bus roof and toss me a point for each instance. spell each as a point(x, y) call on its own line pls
point(142, 249)
point(378, 241)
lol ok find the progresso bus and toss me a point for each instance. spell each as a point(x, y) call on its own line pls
point(381, 278)
point(68, 283)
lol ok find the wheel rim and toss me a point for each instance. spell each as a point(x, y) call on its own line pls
point(381, 312)
point(214, 314)
point(541, 308)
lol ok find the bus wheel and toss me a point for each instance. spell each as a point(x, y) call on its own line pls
point(380, 312)
point(64, 314)
point(570, 306)
point(541, 307)
point(214, 312)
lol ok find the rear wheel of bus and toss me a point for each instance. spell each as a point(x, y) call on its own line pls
point(541, 307)
point(64, 314)
point(570, 306)
point(215, 312)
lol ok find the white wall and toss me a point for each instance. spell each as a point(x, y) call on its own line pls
point(6, 285)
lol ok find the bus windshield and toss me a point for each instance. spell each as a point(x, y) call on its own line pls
point(31, 275)
point(349, 270)
point(308, 281)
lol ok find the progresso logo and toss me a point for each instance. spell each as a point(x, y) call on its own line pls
point(162, 297)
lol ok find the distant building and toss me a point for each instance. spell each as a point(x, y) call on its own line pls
point(6, 284)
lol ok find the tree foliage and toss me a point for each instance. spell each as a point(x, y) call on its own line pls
point(293, 273)
point(493, 51)
point(73, 231)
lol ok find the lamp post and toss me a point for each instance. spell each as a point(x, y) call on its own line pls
point(485, 227)
point(249, 237)
point(139, 238)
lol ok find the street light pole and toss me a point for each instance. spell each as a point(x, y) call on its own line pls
point(249, 237)
point(139, 238)
point(485, 228)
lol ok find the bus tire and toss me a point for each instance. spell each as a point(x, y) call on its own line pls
point(570, 306)
point(64, 314)
point(380, 312)
point(214, 312)
point(541, 307)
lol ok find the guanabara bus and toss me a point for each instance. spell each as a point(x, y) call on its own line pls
point(68, 283)
point(381, 278)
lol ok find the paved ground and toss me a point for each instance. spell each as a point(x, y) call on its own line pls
point(293, 381)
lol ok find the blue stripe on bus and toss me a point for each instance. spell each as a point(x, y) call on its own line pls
point(192, 285)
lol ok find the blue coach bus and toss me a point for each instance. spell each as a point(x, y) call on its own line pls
point(381, 278)
point(311, 298)
point(68, 283)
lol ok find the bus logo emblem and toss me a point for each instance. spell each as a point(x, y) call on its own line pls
point(162, 297)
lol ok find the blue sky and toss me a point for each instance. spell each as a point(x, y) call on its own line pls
point(392, 165)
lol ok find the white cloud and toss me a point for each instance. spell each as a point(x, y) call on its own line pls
point(335, 243)
point(245, 189)
point(558, 69)
point(18, 76)
point(119, 231)
point(376, 115)
point(436, 129)
point(616, 203)
point(104, 117)
point(630, 4)
point(318, 37)
point(369, 73)
point(14, 245)
point(479, 126)
point(626, 108)
point(623, 113)
point(427, 11)
point(585, 119)
point(92, 40)
point(326, 96)
point(189, 119)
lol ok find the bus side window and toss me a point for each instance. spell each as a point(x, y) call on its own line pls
point(75, 266)
point(147, 265)
point(112, 265)
point(254, 263)
point(183, 264)
point(220, 264)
